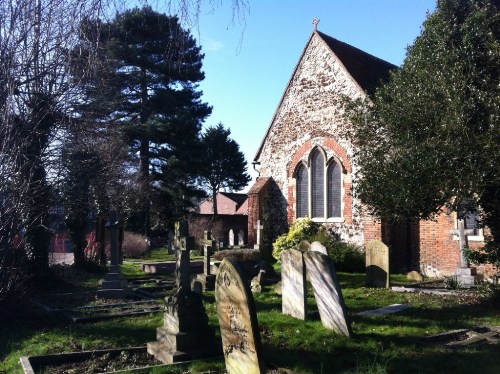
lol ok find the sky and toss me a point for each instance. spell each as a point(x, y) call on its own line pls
point(248, 63)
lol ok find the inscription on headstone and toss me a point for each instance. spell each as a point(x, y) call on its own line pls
point(293, 283)
point(327, 292)
point(377, 264)
point(238, 321)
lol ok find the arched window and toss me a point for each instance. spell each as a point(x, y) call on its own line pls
point(302, 191)
point(318, 184)
point(334, 190)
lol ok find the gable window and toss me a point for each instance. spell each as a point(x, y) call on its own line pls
point(319, 188)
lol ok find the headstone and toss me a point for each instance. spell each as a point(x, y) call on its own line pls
point(114, 285)
point(238, 321)
point(170, 241)
point(377, 264)
point(327, 292)
point(207, 280)
point(231, 238)
point(304, 246)
point(414, 276)
point(241, 237)
point(464, 273)
point(293, 284)
point(318, 247)
point(259, 228)
point(185, 334)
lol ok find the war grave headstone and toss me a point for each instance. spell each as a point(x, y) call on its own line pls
point(114, 285)
point(231, 238)
point(238, 321)
point(377, 264)
point(464, 274)
point(185, 333)
point(207, 280)
point(318, 247)
point(293, 284)
point(327, 293)
point(259, 229)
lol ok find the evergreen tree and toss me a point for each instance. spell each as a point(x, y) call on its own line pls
point(154, 68)
point(431, 137)
point(224, 163)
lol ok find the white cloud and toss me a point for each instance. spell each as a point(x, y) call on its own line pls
point(212, 45)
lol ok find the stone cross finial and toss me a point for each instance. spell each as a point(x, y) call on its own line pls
point(259, 229)
point(462, 240)
point(315, 23)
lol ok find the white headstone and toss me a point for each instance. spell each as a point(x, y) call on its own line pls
point(318, 247)
point(231, 238)
point(293, 282)
point(241, 237)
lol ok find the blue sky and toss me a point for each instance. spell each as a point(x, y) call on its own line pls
point(248, 64)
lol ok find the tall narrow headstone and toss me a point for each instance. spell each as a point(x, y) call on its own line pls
point(231, 238)
point(327, 292)
point(377, 264)
point(238, 321)
point(241, 237)
point(293, 283)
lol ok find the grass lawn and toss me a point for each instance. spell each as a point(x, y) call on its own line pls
point(381, 344)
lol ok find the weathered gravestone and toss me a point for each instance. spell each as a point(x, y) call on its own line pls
point(114, 285)
point(207, 280)
point(327, 292)
point(377, 264)
point(293, 284)
point(185, 334)
point(318, 247)
point(231, 238)
point(238, 321)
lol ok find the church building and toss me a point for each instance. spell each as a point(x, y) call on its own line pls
point(306, 168)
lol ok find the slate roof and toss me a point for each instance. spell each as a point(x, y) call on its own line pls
point(367, 70)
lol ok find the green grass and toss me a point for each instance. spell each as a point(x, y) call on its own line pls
point(381, 344)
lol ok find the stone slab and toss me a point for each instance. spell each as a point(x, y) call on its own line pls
point(238, 321)
point(318, 247)
point(327, 293)
point(293, 284)
point(393, 308)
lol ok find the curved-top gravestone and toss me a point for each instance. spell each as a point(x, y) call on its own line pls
point(327, 292)
point(377, 264)
point(238, 321)
point(293, 283)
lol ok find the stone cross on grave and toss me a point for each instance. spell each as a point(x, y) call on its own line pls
point(208, 244)
point(183, 244)
point(259, 229)
point(464, 272)
point(462, 233)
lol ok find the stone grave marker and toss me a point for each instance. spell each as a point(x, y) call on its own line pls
point(293, 284)
point(259, 228)
point(377, 264)
point(207, 280)
point(238, 321)
point(318, 247)
point(185, 334)
point(304, 246)
point(114, 285)
point(464, 273)
point(241, 237)
point(170, 241)
point(231, 238)
point(327, 292)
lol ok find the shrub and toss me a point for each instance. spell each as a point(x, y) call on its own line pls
point(134, 245)
point(238, 254)
point(302, 229)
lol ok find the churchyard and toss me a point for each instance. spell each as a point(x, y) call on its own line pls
point(419, 332)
